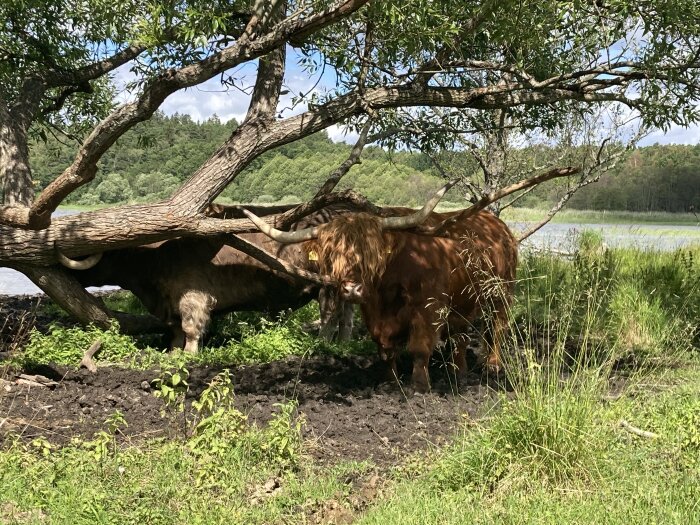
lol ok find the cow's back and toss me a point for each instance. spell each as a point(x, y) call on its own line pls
point(471, 265)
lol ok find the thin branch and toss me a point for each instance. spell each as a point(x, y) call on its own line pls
point(472, 189)
point(275, 263)
point(468, 27)
point(126, 116)
point(60, 100)
point(557, 207)
point(87, 361)
point(484, 201)
point(637, 431)
point(516, 199)
point(353, 158)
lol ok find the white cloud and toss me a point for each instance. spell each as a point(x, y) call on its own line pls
point(339, 134)
point(675, 135)
point(199, 102)
point(209, 98)
point(203, 101)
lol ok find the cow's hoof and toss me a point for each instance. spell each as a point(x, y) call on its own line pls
point(420, 388)
point(468, 379)
point(493, 363)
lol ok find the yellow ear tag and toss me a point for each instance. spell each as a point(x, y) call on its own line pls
point(313, 256)
point(388, 250)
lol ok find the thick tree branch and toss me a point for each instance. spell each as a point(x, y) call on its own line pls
point(126, 116)
point(288, 218)
point(67, 292)
point(33, 89)
point(277, 264)
point(94, 70)
point(15, 174)
point(268, 82)
point(213, 177)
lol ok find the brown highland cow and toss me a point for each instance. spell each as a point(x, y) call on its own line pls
point(413, 288)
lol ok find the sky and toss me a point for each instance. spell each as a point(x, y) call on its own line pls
point(211, 98)
point(201, 102)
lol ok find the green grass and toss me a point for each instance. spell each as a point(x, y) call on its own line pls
point(622, 479)
point(605, 336)
point(240, 338)
point(641, 302)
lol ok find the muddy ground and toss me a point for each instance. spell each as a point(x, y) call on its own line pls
point(351, 412)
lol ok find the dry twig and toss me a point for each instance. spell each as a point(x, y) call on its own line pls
point(637, 431)
point(87, 360)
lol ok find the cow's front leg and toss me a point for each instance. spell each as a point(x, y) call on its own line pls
point(495, 332)
point(388, 353)
point(459, 356)
point(328, 303)
point(420, 345)
point(195, 309)
point(347, 315)
point(178, 336)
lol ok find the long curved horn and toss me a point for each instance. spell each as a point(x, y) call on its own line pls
point(409, 221)
point(305, 234)
point(84, 264)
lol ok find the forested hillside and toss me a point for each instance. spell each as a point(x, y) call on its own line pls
point(149, 162)
point(655, 178)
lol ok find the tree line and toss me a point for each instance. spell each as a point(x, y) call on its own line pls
point(149, 162)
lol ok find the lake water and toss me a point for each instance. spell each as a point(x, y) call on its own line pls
point(553, 235)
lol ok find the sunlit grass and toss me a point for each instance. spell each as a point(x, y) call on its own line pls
point(605, 336)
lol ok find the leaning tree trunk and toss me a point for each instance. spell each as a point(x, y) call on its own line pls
point(18, 188)
point(84, 307)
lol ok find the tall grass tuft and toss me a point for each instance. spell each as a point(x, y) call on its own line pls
point(575, 321)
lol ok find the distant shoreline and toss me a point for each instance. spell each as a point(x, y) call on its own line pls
point(527, 215)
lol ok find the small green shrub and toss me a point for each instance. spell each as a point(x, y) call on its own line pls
point(124, 301)
point(172, 386)
point(282, 438)
point(222, 435)
point(66, 346)
point(104, 442)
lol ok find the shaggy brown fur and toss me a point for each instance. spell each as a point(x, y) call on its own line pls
point(427, 288)
point(352, 245)
point(160, 274)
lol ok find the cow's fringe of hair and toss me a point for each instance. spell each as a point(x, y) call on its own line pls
point(338, 243)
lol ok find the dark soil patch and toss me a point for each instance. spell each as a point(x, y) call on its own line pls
point(351, 412)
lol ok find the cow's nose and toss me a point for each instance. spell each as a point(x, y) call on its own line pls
point(351, 291)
